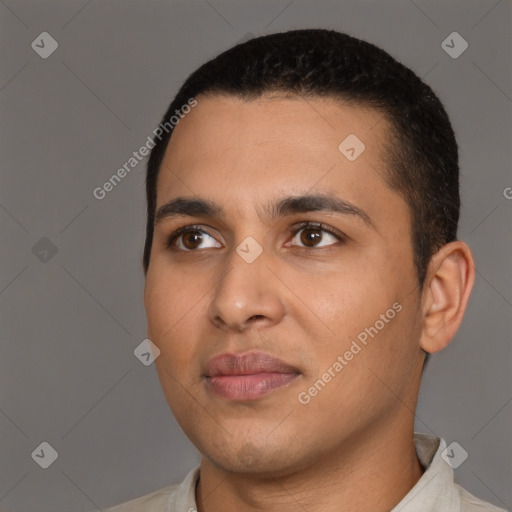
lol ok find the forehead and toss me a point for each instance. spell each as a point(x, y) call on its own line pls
point(312, 124)
point(238, 150)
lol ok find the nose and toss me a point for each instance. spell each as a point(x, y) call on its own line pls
point(246, 295)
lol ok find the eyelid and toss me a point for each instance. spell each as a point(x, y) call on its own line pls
point(293, 230)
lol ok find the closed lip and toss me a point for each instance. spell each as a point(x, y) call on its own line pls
point(246, 363)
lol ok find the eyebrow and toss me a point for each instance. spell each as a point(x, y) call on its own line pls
point(197, 207)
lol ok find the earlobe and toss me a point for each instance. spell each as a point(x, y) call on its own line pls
point(446, 292)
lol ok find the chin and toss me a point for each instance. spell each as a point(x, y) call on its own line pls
point(250, 458)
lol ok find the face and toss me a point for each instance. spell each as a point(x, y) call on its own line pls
point(280, 318)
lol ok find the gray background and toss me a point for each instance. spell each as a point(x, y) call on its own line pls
point(71, 321)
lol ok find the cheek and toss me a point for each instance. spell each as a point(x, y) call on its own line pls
point(170, 302)
point(362, 304)
point(348, 300)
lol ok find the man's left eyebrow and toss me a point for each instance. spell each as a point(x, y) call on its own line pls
point(315, 203)
point(198, 207)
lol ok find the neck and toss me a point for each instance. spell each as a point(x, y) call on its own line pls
point(368, 472)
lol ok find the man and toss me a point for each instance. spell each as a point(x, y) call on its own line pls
point(301, 261)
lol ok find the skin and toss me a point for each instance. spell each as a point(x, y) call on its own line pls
point(351, 447)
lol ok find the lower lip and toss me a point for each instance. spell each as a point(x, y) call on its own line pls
point(248, 387)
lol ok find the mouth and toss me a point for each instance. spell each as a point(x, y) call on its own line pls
point(247, 376)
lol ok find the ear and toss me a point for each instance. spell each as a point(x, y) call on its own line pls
point(448, 284)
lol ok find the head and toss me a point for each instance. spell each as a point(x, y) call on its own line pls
point(422, 153)
point(304, 126)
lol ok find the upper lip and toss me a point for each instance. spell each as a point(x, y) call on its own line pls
point(246, 363)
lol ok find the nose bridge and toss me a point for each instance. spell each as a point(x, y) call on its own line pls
point(245, 291)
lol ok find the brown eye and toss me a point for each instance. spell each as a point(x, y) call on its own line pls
point(310, 235)
point(190, 238)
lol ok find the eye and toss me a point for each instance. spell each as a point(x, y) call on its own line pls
point(310, 234)
point(189, 238)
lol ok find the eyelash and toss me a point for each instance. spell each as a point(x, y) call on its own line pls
point(293, 231)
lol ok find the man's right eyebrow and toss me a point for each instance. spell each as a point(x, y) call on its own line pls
point(183, 207)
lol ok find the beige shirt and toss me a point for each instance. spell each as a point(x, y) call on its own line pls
point(434, 491)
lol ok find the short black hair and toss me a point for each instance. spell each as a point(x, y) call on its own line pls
point(422, 153)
